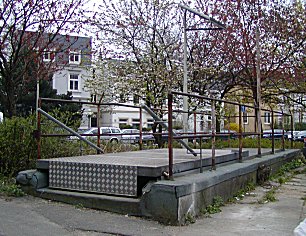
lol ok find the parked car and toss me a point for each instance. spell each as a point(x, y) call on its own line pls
point(225, 134)
point(112, 134)
point(295, 135)
point(300, 136)
point(133, 136)
point(278, 133)
point(146, 137)
point(130, 135)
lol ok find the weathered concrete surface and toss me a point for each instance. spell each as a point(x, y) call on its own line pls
point(35, 216)
point(172, 201)
point(252, 219)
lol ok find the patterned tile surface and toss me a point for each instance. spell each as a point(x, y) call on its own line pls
point(93, 177)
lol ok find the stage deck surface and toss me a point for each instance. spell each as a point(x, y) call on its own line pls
point(121, 173)
point(146, 160)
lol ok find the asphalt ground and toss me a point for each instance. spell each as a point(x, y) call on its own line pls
point(34, 216)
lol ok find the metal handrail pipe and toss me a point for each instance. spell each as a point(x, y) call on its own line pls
point(88, 103)
point(69, 129)
point(221, 100)
point(156, 118)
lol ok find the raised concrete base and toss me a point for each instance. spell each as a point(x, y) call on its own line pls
point(171, 201)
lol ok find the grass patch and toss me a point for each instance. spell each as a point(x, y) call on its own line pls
point(215, 207)
point(269, 197)
point(189, 219)
point(9, 188)
point(284, 173)
point(250, 186)
point(79, 206)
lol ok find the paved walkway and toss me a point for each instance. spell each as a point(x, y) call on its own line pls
point(35, 216)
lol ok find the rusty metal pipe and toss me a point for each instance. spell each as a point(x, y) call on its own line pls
point(170, 136)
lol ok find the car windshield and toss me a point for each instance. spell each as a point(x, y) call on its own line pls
point(130, 131)
point(91, 131)
point(105, 131)
point(116, 131)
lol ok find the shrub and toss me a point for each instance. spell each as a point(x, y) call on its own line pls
point(17, 145)
point(234, 126)
point(9, 188)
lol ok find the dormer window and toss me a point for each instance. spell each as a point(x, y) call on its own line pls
point(75, 57)
point(48, 55)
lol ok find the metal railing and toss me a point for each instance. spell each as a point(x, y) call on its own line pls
point(39, 134)
point(169, 126)
point(214, 134)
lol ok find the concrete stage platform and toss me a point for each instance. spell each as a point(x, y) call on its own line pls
point(125, 173)
point(132, 183)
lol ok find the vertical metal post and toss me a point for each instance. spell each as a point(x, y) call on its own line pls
point(213, 130)
point(258, 90)
point(98, 126)
point(185, 98)
point(201, 158)
point(37, 96)
point(283, 131)
point(258, 131)
point(38, 134)
point(194, 127)
point(273, 136)
point(228, 131)
point(228, 134)
point(291, 128)
point(170, 135)
point(140, 128)
point(81, 148)
point(240, 133)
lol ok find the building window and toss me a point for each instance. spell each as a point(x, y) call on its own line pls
point(74, 57)
point(122, 98)
point(150, 123)
point(93, 98)
point(123, 123)
point(267, 118)
point(245, 118)
point(94, 120)
point(48, 56)
point(74, 82)
point(136, 99)
point(135, 123)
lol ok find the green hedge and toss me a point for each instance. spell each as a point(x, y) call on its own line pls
point(18, 148)
point(249, 143)
point(17, 145)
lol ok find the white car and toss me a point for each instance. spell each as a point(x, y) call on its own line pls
point(112, 134)
point(130, 135)
point(295, 134)
point(301, 136)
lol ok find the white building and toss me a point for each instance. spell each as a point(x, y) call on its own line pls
point(74, 64)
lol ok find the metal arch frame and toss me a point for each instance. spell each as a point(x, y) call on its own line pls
point(206, 17)
point(219, 26)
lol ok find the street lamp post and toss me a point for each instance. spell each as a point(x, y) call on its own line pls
point(185, 98)
point(219, 26)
